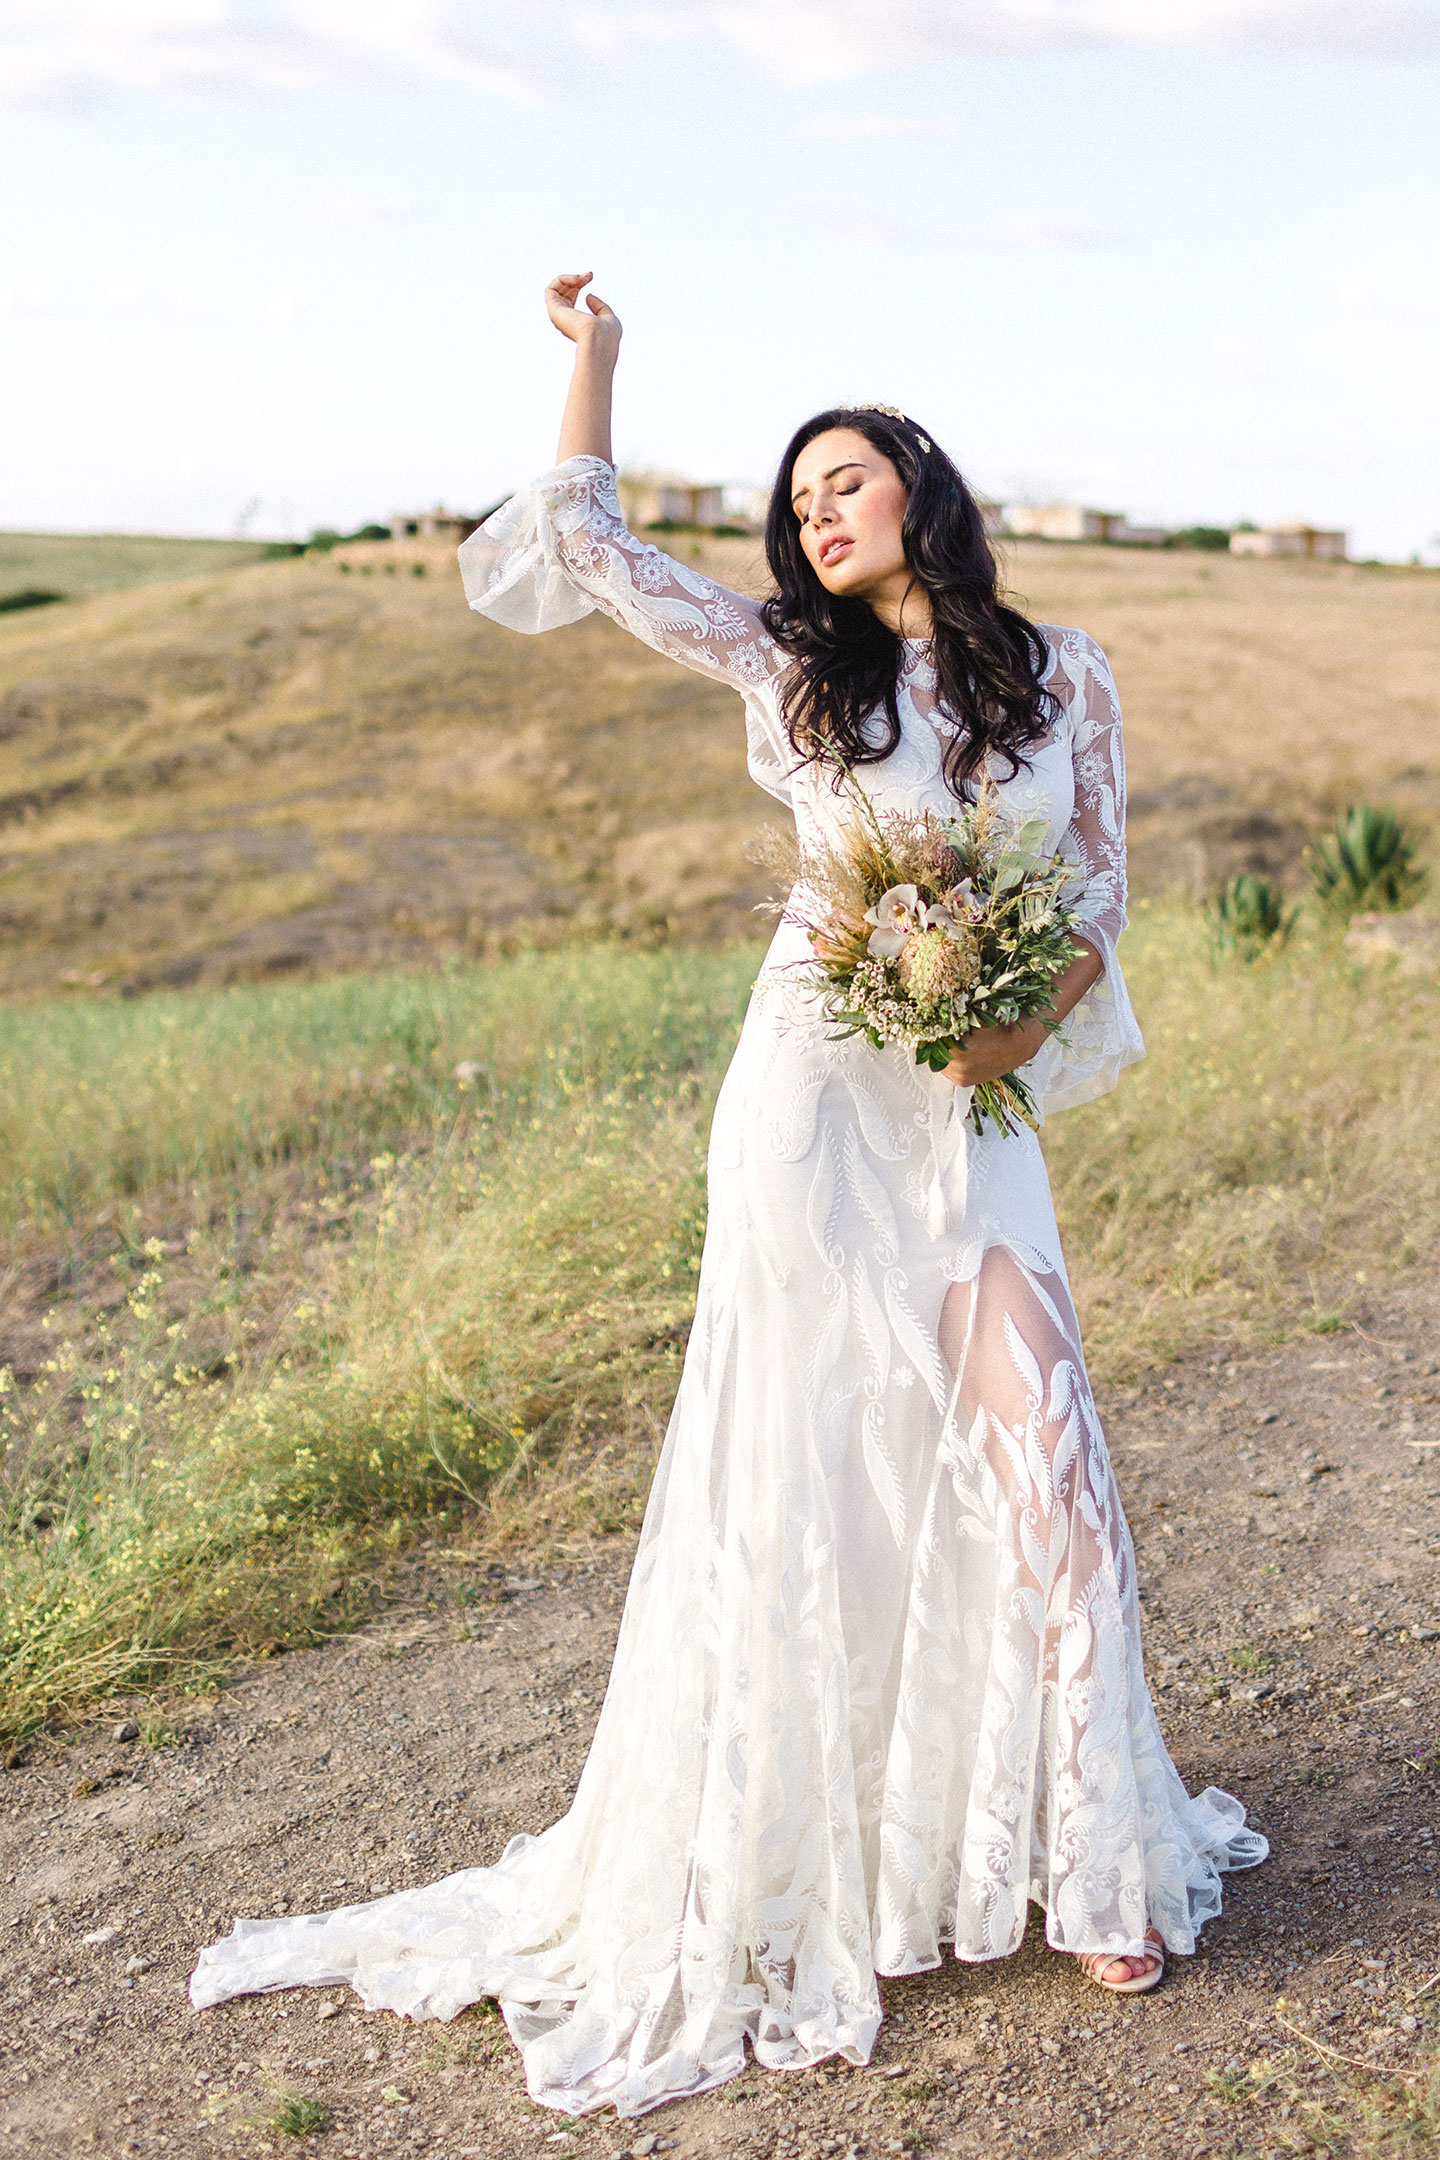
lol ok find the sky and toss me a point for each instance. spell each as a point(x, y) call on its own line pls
point(277, 264)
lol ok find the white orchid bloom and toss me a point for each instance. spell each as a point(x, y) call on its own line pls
point(896, 916)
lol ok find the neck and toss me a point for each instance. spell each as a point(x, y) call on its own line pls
point(903, 605)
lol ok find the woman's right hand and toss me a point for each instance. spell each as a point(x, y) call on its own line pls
point(595, 327)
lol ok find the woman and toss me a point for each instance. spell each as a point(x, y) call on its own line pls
point(879, 1681)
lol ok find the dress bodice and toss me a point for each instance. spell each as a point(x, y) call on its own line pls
point(560, 549)
point(912, 778)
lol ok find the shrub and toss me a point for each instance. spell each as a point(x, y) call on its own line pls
point(1369, 862)
point(28, 596)
point(1248, 918)
point(300, 2116)
point(1212, 539)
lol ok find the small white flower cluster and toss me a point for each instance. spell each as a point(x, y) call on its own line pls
point(876, 996)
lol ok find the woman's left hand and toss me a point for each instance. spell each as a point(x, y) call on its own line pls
point(994, 1051)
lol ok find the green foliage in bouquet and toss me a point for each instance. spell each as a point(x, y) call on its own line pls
point(1248, 917)
point(1369, 862)
point(927, 928)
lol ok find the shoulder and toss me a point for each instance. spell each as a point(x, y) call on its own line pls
point(1076, 671)
point(1072, 649)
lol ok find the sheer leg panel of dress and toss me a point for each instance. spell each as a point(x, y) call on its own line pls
point(1027, 1762)
point(1066, 1657)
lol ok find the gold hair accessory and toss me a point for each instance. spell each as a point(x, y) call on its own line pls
point(893, 412)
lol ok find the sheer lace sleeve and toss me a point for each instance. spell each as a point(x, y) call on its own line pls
point(560, 549)
point(1101, 1036)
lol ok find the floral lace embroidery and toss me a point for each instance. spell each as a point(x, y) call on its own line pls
point(879, 1679)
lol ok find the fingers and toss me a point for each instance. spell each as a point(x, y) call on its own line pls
point(561, 294)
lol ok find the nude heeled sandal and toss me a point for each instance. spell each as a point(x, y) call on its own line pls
point(1093, 1963)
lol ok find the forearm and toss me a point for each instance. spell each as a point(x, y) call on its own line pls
point(585, 427)
point(1081, 975)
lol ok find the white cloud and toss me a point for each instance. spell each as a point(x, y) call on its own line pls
point(832, 39)
point(68, 52)
point(77, 51)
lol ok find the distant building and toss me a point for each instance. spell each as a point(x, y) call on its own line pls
point(1313, 543)
point(660, 498)
point(436, 524)
point(747, 506)
point(1076, 521)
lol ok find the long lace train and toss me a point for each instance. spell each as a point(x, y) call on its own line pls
point(867, 1700)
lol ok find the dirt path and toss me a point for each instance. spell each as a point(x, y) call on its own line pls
point(1285, 1511)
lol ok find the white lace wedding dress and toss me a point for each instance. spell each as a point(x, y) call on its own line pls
point(879, 1682)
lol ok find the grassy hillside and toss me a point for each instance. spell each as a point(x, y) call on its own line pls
point(329, 762)
point(77, 564)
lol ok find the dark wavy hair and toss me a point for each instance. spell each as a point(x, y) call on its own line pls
point(839, 693)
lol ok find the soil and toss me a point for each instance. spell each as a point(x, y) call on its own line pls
point(1285, 1514)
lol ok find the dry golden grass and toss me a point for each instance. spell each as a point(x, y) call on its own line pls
point(301, 765)
point(1259, 696)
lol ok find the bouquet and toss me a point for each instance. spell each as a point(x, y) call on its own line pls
point(925, 928)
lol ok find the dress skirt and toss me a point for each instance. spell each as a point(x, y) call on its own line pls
point(878, 1683)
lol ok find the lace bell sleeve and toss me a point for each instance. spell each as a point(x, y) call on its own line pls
point(560, 549)
point(1100, 1036)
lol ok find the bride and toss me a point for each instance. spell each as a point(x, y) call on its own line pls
point(879, 1682)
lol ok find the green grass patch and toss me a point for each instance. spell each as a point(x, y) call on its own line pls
point(1274, 1154)
point(309, 1266)
point(349, 1342)
point(298, 2115)
point(81, 563)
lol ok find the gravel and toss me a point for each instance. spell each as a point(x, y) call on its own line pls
point(1286, 1510)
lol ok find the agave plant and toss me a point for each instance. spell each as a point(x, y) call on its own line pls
point(1369, 862)
point(1248, 917)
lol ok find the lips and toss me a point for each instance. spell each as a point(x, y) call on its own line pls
point(835, 549)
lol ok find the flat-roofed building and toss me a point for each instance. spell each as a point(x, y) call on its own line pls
point(1078, 521)
point(436, 524)
point(661, 498)
point(1310, 543)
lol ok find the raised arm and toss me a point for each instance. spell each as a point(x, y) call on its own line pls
point(595, 332)
point(560, 548)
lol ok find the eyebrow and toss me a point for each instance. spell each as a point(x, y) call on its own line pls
point(841, 467)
